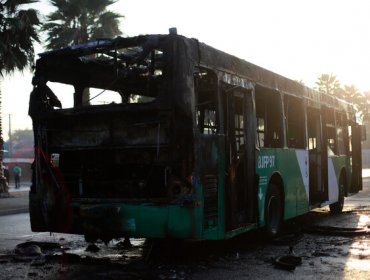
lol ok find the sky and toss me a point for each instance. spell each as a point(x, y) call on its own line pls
point(299, 39)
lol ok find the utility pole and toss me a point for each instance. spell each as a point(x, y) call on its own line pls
point(10, 135)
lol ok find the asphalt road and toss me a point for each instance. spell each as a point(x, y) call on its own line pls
point(324, 256)
point(16, 229)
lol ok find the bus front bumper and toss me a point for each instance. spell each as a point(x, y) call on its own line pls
point(143, 220)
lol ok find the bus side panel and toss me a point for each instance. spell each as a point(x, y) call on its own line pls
point(265, 159)
point(213, 226)
point(291, 166)
point(335, 166)
point(209, 188)
point(303, 191)
point(333, 179)
point(356, 184)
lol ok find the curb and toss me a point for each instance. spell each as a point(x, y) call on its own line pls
point(14, 211)
point(14, 203)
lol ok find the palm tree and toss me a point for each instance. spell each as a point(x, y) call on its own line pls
point(328, 83)
point(77, 21)
point(18, 32)
point(353, 95)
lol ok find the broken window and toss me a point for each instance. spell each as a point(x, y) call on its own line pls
point(269, 118)
point(102, 97)
point(342, 136)
point(205, 88)
point(105, 75)
point(239, 122)
point(331, 135)
point(312, 143)
point(64, 93)
point(137, 75)
point(260, 131)
point(295, 122)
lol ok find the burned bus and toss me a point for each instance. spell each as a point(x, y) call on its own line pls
point(198, 144)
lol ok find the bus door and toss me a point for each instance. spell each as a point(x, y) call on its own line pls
point(356, 158)
point(241, 193)
point(208, 143)
point(318, 167)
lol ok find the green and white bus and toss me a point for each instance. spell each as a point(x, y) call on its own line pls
point(198, 144)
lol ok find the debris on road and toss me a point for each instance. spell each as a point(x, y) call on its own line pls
point(288, 262)
point(337, 231)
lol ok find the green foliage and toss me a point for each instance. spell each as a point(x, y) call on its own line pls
point(22, 137)
point(328, 83)
point(353, 95)
point(300, 82)
point(78, 21)
point(22, 143)
point(18, 32)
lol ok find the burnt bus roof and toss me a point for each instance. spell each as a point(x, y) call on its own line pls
point(242, 72)
point(231, 65)
point(102, 44)
point(74, 65)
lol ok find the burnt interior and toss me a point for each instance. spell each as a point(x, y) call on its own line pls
point(134, 69)
point(114, 151)
point(101, 174)
point(107, 155)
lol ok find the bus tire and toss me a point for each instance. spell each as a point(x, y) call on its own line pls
point(337, 207)
point(273, 211)
point(36, 217)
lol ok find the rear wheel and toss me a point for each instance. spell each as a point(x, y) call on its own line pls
point(337, 207)
point(273, 211)
point(35, 209)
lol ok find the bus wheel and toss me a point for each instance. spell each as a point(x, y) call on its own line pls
point(337, 207)
point(35, 209)
point(273, 211)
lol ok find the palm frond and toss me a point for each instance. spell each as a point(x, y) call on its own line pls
point(18, 32)
point(77, 21)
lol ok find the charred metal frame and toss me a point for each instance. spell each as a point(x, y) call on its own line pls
point(172, 151)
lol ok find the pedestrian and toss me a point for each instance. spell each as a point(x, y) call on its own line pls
point(17, 172)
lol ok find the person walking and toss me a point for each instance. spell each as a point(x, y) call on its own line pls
point(17, 172)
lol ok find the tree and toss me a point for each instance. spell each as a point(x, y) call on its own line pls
point(353, 95)
point(18, 32)
point(300, 82)
point(22, 143)
point(78, 21)
point(328, 83)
